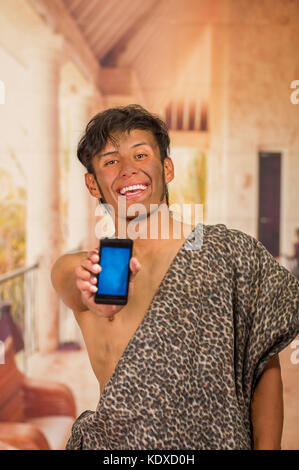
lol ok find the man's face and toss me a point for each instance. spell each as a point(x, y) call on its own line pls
point(132, 159)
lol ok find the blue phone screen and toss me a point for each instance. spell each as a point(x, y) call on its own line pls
point(113, 278)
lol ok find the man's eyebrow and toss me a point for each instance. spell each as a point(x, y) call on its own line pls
point(141, 143)
point(100, 155)
point(106, 154)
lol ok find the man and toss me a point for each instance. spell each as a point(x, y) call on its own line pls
point(191, 362)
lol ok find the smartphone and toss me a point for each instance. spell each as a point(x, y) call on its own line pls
point(113, 279)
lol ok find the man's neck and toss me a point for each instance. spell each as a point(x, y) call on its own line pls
point(152, 233)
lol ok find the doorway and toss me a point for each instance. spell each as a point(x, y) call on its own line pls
point(269, 201)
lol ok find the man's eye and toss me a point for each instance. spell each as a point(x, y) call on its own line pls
point(110, 161)
point(141, 155)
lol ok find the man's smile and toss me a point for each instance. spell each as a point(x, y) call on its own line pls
point(133, 191)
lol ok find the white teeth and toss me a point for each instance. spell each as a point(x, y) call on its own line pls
point(132, 188)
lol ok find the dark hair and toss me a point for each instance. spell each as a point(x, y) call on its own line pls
point(125, 118)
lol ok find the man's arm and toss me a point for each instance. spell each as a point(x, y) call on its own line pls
point(63, 276)
point(267, 408)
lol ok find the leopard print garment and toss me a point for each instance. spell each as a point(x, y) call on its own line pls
point(187, 376)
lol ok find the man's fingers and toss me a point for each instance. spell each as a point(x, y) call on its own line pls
point(93, 255)
point(90, 266)
point(82, 273)
point(84, 286)
point(86, 295)
point(135, 266)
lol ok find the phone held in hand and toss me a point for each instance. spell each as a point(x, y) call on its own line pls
point(113, 279)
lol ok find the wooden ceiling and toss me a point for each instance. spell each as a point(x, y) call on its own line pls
point(166, 43)
point(107, 24)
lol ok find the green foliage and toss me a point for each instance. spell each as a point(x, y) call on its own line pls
point(12, 242)
point(12, 225)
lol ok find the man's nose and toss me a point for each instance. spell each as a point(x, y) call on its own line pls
point(127, 167)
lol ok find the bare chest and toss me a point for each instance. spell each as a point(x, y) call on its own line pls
point(107, 340)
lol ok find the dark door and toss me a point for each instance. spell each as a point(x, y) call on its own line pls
point(269, 201)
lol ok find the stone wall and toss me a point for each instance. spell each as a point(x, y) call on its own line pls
point(255, 59)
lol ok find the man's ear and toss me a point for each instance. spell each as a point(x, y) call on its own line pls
point(168, 170)
point(92, 185)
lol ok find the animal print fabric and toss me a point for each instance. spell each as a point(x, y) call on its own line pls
point(187, 376)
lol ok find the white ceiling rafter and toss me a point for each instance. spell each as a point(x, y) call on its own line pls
point(101, 16)
point(88, 12)
point(107, 36)
point(155, 39)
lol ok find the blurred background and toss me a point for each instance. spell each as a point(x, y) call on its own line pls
point(224, 76)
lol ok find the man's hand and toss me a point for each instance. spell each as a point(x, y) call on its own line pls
point(86, 279)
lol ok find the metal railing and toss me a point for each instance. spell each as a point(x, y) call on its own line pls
point(18, 288)
point(16, 273)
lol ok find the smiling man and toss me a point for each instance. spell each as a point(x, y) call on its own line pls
point(191, 361)
point(145, 174)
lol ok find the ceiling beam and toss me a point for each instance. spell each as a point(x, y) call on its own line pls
point(121, 81)
point(58, 18)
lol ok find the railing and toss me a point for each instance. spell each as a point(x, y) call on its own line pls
point(16, 273)
point(18, 288)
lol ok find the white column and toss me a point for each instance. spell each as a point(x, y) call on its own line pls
point(43, 234)
point(97, 105)
point(78, 194)
point(218, 180)
point(78, 101)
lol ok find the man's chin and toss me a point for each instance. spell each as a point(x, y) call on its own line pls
point(137, 218)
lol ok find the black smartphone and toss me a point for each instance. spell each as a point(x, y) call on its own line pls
point(113, 279)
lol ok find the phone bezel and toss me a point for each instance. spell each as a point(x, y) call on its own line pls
point(114, 299)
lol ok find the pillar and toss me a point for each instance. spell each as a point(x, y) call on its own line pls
point(43, 232)
point(78, 200)
point(80, 101)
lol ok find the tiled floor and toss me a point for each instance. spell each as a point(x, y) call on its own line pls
point(73, 368)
